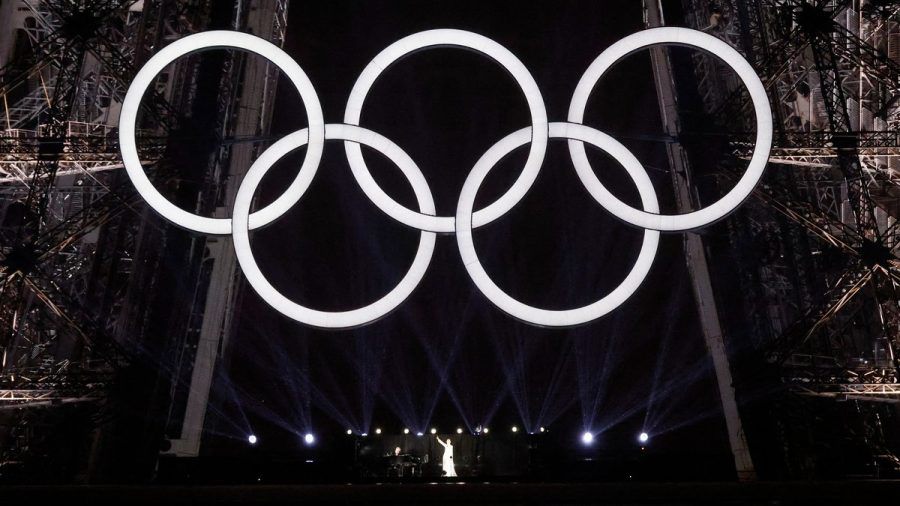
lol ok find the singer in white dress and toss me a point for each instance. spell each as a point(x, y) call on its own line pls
point(447, 461)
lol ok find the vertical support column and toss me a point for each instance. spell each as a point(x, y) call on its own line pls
point(251, 118)
point(694, 252)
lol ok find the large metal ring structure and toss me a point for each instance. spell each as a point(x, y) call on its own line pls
point(331, 319)
point(466, 218)
point(219, 39)
point(465, 40)
point(764, 129)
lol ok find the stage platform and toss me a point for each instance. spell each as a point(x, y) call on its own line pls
point(464, 493)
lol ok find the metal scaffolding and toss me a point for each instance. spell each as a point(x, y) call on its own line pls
point(77, 252)
point(816, 250)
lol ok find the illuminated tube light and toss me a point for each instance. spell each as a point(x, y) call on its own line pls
point(531, 314)
point(289, 308)
point(649, 219)
point(465, 40)
point(213, 40)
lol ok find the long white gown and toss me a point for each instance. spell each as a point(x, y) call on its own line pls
point(447, 461)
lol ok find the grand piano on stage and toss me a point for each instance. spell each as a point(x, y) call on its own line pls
point(402, 465)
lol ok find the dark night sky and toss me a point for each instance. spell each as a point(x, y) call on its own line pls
point(447, 357)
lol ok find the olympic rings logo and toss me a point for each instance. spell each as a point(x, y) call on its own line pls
point(425, 219)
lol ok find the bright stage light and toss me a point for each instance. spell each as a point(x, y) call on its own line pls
point(364, 434)
point(484, 430)
point(419, 434)
point(251, 439)
point(458, 431)
point(378, 431)
point(433, 430)
point(309, 438)
point(349, 432)
point(643, 437)
point(543, 429)
point(406, 431)
point(515, 429)
point(587, 438)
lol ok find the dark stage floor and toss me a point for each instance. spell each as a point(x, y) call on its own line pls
point(851, 492)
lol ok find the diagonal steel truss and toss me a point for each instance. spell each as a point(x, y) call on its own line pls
point(832, 183)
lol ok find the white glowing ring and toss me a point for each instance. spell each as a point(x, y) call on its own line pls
point(743, 188)
point(545, 317)
point(210, 40)
point(312, 317)
point(443, 38)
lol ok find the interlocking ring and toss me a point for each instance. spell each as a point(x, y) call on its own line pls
point(744, 186)
point(545, 317)
point(331, 319)
point(465, 219)
point(211, 40)
point(444, 38)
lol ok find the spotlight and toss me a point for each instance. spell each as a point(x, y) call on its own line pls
point(515, 429)
point(406, 431)
point(484, 430)
point(433, 430)
point(378, 431)
point(543, 429)
point(643, 437)
point(587, 438)
point(364, 434)
point(458, 430)
point(251, 439)
point(309, 438)
point(419, 434)
point(349, 432)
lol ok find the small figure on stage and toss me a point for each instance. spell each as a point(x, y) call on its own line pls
point(447, 462)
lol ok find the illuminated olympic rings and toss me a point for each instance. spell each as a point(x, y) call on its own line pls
point(466, 218)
